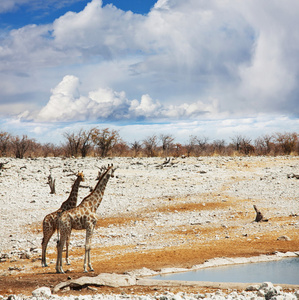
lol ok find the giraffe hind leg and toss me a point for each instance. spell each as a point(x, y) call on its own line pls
point(47, 235)
point(60, 245)
point(67, 250)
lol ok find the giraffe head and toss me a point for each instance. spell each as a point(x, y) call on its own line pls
point(110, 167)
point(104, 170)
point(110, 170)
point(80, 175)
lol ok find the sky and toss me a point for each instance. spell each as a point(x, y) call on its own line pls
point(206, 68)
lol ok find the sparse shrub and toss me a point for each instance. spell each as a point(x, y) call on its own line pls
point(136, 147)
point(218, 147)
point(150, 146)
point(105, 139)
point(286, 142)
point(243, 145)
point(264, 145)
point(106, 142)
point(5, 140)
point(167, 143)
point(79, 143)
point(21, 145)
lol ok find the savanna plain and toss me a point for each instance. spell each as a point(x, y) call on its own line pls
point(155, 214)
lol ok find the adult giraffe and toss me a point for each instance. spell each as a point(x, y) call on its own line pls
point(50, 220)
point(82, 217)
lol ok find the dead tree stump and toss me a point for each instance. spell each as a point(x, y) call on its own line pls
point(51, 183)
point(259, 216)
point(2, 166)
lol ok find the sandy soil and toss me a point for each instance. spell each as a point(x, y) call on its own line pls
point(152, 216)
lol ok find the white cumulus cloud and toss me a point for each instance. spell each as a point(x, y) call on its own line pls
point(67, 104)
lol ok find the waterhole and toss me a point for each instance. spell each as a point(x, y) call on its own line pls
point(285, 271)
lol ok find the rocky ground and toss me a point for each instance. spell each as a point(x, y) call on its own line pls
point(154, 215)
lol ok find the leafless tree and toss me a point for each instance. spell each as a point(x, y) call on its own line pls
point(105, 139)
point(167, 143)
point(78, 142)
point(5, 139)
point(288, 142)
point(49, 149)
point(243, 145)
point(21, 145)
point(199, 144)
point(73, 143)
point(86, 141)
point(237, 141)
point(120, 149)
point(136, 147)
point(263, 144)
point(219, 147)
point(150, 145)
point(178, 150)
point(190, 146)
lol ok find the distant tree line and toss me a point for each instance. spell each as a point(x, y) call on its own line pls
point(104, 142)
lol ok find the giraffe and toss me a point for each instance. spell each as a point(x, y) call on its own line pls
point(50, 220)
point(82, 217)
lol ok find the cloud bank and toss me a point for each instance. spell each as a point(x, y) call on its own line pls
point(66, 104)
point(183, 61)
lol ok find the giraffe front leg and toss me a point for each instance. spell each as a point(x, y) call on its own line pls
point(59, 257)
point(87, 259)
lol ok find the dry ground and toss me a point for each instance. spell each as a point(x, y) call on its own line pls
point(189, 245)
point(191, 252)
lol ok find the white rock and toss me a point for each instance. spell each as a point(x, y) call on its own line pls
point(283, 238)
point(42, 292)
point(252, 288)
point(266, 286)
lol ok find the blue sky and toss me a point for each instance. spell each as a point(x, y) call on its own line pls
point(37, 12)
point(204, 68)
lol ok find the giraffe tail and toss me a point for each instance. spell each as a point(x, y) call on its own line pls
point(58, 238)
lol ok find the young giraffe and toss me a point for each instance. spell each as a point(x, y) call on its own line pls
point(50, 220)
point(82, 217)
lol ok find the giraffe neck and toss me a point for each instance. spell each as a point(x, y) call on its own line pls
point(95, 198)
point(72, 199)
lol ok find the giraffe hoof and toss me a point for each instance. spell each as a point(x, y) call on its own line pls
point(59, 271)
